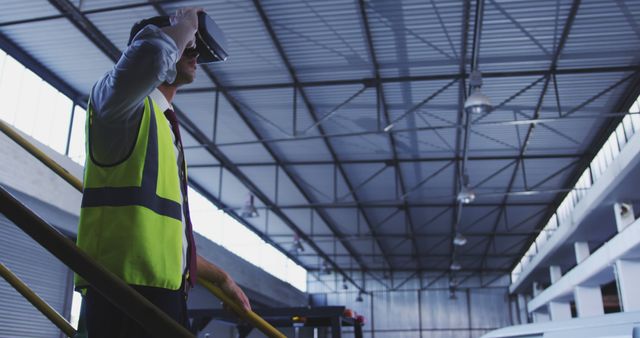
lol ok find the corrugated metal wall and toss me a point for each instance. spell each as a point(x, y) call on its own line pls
point(42, 272)
point(423, 309)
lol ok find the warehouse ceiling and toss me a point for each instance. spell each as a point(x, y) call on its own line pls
point(344, 118)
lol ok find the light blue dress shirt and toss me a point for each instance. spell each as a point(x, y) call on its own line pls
point(117, 98)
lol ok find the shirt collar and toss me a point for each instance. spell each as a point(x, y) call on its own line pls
point(160, 100)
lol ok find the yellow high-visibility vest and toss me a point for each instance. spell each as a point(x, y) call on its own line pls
point(131, 215)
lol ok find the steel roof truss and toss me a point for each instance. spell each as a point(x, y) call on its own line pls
point(283, 56)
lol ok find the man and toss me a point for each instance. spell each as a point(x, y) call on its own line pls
point(135, 218)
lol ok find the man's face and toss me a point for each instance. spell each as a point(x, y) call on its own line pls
point(186, 67)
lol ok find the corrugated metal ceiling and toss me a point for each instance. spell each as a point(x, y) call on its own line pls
point(354, 210)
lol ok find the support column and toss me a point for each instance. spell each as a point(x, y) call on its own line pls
point(582, 251)
point(522, 309)
point(555, 273)
point(536, 289)
point(627, 277)
point(558, 310)
point(624, 215)
point(538, 315)
point(588, 298)
point(588, 301)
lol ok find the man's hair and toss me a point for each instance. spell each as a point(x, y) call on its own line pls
point(160, 21)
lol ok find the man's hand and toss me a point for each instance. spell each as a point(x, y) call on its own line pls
point(233, 290)
point(219, 277)
point(184, 25)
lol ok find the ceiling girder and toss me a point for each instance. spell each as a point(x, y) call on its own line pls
point(316, 122)
point(420, 78)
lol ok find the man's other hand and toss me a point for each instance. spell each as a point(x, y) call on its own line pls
point(233, 290)
point(219, 277)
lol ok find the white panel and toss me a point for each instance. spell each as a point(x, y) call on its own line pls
point(440, 312)
point(403, 306)
point(489, 308)
point(42, 272)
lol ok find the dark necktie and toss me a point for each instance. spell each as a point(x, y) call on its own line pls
point(191, 257)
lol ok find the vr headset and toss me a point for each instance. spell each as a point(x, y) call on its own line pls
point(211, 44)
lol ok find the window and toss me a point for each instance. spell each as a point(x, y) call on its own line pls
point(224, 230)
point(77, 150)
point(32, 105)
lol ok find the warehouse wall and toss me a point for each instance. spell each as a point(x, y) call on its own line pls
point(422, 307)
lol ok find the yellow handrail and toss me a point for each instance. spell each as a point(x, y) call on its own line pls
point(38, 302)
point(250, 316)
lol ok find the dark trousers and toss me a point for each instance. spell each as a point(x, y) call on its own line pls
point(104, 320)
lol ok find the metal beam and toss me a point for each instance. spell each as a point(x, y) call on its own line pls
point(381, 100)
point(528, 121)
point(558, 51)
point(87, 12)
point(436, 256)
point(423, 270)
point(316, 122)
point(399, 204)
point(400, 160)
point(420, 78)
point(324, 237)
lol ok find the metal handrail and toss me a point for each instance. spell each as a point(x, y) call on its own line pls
point(121, 295)
point(249, 316)
point(37, 302)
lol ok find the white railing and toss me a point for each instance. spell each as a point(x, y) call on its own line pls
point(618, 325)
point(608, 153)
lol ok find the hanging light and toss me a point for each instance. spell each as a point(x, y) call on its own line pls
point(249, 209)
point(452, 293)
point(296, 247)
point(477, 103)
point(466, 195)
point(359, 299)
point(455, 266)
point(325, 268)
point(344, 284)
point(459, 239)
